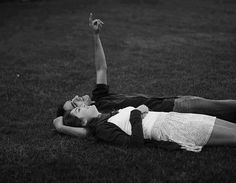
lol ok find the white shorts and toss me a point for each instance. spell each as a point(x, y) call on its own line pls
point(191, 131)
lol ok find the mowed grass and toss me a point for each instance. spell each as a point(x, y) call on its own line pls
point(160, 48)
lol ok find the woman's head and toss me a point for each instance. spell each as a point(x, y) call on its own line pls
point(80, 116)
point(70, 120)
point(71, 104)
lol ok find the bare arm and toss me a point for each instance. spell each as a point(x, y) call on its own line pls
point(100, 61)
point(72, 131)
point(99, 55)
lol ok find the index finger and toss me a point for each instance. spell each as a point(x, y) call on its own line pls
point(90, 18)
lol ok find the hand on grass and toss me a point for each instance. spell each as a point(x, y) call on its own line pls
point(96, 24)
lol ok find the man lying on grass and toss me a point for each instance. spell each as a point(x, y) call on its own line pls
point(107, 102)
point(135, 126)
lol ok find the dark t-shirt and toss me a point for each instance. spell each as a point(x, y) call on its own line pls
point(106, 101)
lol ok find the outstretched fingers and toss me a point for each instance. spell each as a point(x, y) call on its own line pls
point(97, 22)
point(100, 22)
point(90, 19)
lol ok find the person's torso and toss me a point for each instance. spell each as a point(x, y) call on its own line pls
point(122, 121)
point(113, 102)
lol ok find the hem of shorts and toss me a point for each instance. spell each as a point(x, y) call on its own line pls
point(209, 132)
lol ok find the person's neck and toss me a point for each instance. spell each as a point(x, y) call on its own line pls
point(94, 121)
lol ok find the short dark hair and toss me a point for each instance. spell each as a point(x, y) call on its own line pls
point(70, 120)
point(60, 110)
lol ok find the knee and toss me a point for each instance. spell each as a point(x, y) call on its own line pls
point(180, 105)
point(189, 104)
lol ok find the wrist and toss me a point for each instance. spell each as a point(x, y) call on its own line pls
point(136, 112)
point(96, 32)
point(96, 35)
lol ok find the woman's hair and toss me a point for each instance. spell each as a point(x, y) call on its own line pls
point(60, 110)
point(70, 120)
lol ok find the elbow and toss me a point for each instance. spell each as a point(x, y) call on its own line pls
point(57, 125)
point(59, 129)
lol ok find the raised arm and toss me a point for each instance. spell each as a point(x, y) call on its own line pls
point(72, 131)
point(99, 55)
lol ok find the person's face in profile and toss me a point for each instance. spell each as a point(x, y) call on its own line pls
point(77, 102)
point(85, 113)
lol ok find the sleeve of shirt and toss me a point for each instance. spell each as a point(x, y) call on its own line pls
point(101, 90)
point(111, 133)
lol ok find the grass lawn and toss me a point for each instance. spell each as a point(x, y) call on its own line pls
point(162, 47)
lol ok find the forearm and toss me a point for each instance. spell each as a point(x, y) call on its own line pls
point(73, 131)
point(100, 59)
point(137, 138)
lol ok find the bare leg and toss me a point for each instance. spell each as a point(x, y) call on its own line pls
point(223, 109)
point(223, 133)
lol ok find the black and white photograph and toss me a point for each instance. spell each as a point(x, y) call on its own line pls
point(117, 91)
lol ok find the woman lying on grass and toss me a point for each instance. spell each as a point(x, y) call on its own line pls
point(136, 126)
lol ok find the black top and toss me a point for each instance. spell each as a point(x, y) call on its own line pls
point(106, 101)
point(111, 133)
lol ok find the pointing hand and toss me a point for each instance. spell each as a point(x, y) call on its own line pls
point(95, 24)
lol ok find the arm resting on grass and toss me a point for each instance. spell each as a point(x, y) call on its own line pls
point(111, 133)
point(72, 131)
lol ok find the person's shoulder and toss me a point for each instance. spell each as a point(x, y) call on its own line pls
point(100, 90)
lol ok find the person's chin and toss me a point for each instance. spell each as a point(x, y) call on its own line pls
point(94, 109)
point(87, 102)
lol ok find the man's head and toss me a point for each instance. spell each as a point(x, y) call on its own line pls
point(71, 104)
